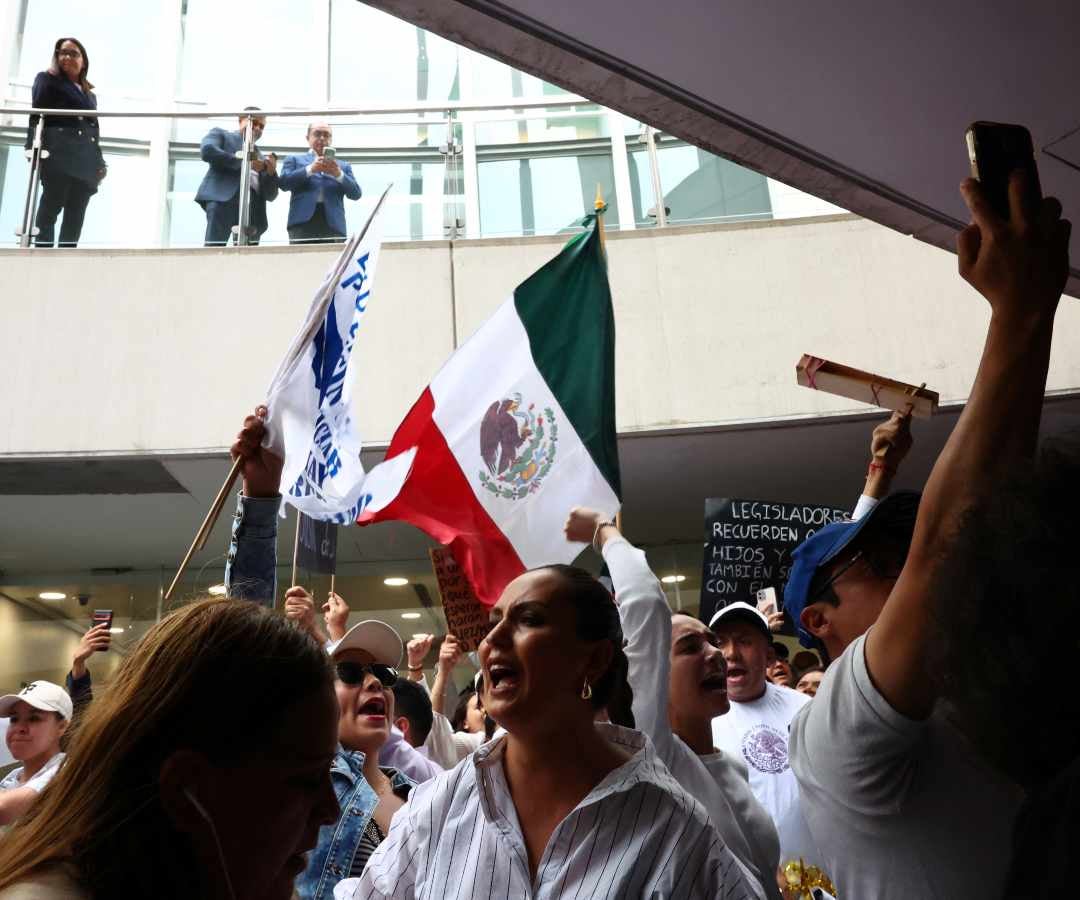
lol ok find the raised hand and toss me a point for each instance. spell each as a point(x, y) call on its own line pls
point(261, 468)
point(336, 616)
point(1020, 265)
point(450, 653)
point(300, 608)
point(96, 639)
point(581, 524)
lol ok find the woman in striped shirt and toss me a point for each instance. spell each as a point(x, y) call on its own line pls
point(560, 805)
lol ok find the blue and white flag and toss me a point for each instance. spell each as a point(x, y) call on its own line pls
point(311, 422)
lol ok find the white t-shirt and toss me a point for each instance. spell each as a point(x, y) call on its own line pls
point(38, 782)
point(717, 781)
point(757, 732)
point(899, 808)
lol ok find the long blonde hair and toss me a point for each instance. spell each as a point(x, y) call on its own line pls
point(102, 813)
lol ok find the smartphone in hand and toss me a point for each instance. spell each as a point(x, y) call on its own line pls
point(995, 151)
point(766, 601)
point(101, 617)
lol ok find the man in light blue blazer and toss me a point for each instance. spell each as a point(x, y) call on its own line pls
point(318, 184)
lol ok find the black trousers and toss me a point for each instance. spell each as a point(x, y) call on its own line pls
point(221, 216)
point(61, 192)
point(315, 230)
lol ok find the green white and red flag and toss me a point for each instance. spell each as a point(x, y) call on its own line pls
point(517, 427)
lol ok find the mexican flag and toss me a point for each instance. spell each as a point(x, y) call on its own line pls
point(517, 427)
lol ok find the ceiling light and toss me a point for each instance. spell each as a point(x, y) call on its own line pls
point(52, 595)
point(116, 631)
point(673, 579)
point(216, 590)
point(395, 582)
point(410, 615)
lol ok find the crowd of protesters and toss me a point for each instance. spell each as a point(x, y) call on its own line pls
point(920, 745)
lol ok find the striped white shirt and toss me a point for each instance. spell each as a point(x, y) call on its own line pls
point(636, 836)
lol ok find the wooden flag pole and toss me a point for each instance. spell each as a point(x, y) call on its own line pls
point(296, 548)
point(208, 523)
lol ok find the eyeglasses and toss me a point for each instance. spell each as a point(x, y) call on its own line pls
point(827, 586)
point(354, 673)
point(75, 54)
point(325, 135)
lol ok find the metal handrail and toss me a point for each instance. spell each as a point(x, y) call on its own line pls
point(446, 106)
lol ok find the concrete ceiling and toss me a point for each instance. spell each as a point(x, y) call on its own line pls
point(864, 105)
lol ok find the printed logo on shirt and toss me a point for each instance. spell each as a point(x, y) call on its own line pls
point(765, 749)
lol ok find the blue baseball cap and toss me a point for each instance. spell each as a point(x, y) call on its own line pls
point(894, 515)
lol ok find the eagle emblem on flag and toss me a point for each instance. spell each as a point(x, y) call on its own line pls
point(517, 445)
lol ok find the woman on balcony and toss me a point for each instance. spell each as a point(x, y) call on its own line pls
point(72, 171)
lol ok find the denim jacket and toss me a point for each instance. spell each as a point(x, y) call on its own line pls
point(251, 570)
point(332, 857)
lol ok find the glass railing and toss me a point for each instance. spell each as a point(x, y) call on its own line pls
point(518, 168)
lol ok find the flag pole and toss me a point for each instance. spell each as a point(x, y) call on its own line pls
point(599, 206)
point(296, 548)
point(208, 523)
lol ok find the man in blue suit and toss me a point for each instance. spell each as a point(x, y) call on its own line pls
point(219, 193)
point(318, 184)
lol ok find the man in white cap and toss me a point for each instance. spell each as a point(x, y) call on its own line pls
point(365, 668)
point(755, 729)
point(38, 717)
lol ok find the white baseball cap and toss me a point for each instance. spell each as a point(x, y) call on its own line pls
point(377, 638)
point(744, 611)
point(40, 695)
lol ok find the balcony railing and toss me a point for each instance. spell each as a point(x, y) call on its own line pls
point(520, 167)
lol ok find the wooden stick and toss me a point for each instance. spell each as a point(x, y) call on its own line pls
point(208, 523)
point(296, 548)
point(332, 582)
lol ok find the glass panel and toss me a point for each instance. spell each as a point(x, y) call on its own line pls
point(252, 52)
point(413, 209)
point(698, 187)
point(118, 42)
point(543, 195)
point(14, 172)
point(120, 214)
point(559, 125)
point(494, 80)
point(378, 60)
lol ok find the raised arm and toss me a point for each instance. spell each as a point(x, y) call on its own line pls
point(889, 445)
point(646, 621)
point(251, 570)
point(1020, 267)
point(449, 656)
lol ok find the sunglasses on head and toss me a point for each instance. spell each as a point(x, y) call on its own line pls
point(354, 673)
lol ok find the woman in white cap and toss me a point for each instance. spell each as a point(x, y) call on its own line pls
point(365, 669)
point(37, 718)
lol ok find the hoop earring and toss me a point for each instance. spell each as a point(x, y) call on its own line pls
point(586, 691)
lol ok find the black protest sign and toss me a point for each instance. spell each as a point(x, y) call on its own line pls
point(317, 550)
point(748, 546)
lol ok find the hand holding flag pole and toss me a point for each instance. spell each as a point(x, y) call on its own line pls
point(261, 470)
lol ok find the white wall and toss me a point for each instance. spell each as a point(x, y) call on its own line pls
point(142, 351)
